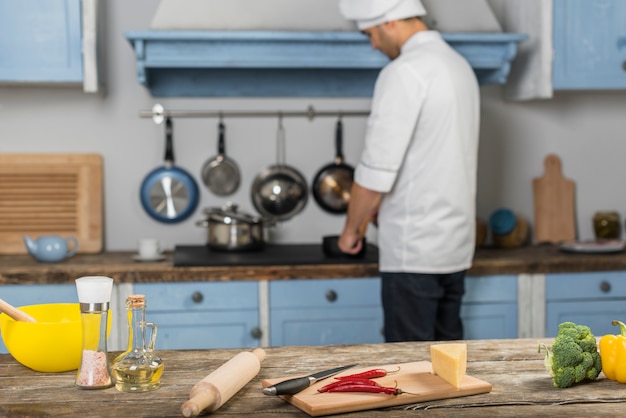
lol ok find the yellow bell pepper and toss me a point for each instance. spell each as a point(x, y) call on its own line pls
point(613, 354)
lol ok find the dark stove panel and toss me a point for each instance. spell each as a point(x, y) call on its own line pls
point(271, 254)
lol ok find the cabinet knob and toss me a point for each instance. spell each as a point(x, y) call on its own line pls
point(256, 333)
point(331, 296)
point(605, 287)
point(197, 297)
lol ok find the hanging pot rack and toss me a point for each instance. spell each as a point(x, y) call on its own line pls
point(159, 113)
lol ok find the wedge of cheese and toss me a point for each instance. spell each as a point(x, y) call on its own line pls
point(449, 362)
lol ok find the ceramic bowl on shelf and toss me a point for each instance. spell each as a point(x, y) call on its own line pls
point(51, 344)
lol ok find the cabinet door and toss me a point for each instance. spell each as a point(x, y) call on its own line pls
point(489, 321)
point(40, 41)
point(203, 315)
point(597, 315)
point(321, 312)
point(489, 309)
point(22, 295)
point(592, 299)
point(589, 44)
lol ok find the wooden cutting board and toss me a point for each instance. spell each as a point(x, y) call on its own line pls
point(415, 377)
point(58, 194)
point(555, 218)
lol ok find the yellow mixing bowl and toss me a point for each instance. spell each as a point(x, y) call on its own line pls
point(53, 343)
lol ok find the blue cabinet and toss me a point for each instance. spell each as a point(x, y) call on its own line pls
point(321, 312)
point(40, 41)
point(489, 309)
point(22, 295)
point(589, 44)
point(592, 299)
point(50, 42)
point(200, 315)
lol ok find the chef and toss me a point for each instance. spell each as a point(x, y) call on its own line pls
point(417, 173)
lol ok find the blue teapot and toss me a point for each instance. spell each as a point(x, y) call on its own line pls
point(51, 248)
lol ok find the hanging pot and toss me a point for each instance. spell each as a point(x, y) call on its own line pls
point(332, 184)
point(169, 194)
point(279, 192)
point(221, 174)
point(230, 230)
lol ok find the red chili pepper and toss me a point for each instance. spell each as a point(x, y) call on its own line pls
point(369, 374)
point(338, 383)
point(367, 388)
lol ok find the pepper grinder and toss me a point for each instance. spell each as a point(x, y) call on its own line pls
point(94, 295)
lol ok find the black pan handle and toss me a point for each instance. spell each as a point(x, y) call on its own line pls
point(221, 149)
point(169, 146)
point(339, 142)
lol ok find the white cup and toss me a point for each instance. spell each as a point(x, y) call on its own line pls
point(149, 248)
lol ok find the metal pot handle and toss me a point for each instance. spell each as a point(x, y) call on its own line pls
point(280, 142)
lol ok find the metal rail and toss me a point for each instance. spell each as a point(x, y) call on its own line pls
point(158, 113)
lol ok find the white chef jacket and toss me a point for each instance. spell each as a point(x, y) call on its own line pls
point(421, 152)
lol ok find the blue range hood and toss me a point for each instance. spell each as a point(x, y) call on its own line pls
point(288, 64)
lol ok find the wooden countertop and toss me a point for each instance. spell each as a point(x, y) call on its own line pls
point(23, 269)
point(521, 385)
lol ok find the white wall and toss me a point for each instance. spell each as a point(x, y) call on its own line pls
point(586, 129)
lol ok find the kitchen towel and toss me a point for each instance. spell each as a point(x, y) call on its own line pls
point(531, 71)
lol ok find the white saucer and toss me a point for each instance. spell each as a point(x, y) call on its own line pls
point(599, 246)
point(159, 257)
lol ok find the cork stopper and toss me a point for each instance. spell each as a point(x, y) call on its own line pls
point(136, 301)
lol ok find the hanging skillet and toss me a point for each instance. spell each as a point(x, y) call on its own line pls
point(279, 192)
point(332, 184)
point(221, 174)
point(169, 194)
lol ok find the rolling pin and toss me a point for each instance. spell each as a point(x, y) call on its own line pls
point(220, 385)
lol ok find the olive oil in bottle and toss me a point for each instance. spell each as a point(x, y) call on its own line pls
point(139, 368)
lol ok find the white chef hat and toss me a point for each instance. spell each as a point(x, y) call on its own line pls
point(369, 13)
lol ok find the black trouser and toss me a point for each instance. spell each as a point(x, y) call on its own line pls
point(422, 307)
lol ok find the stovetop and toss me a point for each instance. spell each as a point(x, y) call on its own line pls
point(270, 255)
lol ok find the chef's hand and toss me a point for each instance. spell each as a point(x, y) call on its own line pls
point(350, 242)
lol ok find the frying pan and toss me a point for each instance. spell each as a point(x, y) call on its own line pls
point(221, 174)
point(279, 191)
point(332, 184)
point(169, 194)
point(330, 243)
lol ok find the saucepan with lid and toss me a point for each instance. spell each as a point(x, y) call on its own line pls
point(231, 230)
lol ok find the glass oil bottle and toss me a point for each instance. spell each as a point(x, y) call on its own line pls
point(139, 368)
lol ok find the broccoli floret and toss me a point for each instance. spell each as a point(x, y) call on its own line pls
point(574, 356)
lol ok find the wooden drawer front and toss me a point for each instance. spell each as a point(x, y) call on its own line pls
point(197, 296)
point(310, 326)
point(488, 321)
point(597, 315)
point(204, 330)
point(585, 286)
point(324, 293)
point(494, 289)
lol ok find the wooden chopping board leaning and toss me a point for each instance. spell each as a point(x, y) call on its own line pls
point(554, 204)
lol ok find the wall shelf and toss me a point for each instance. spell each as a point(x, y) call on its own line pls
point(288, 64)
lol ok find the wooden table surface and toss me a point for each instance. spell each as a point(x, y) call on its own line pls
point(24, 269)
point(521, 385)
